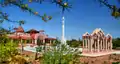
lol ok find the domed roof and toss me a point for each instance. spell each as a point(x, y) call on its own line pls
point(97, 30)
point(19, 29)
point(32, 30)
point(86, 34)
point(108, 35)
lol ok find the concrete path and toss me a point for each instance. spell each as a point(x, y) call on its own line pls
point(100, 53)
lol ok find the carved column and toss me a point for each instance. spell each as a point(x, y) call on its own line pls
point(106, 45)
point(83, 44)
point(95, 46)
point(98, 45)
point(88, 45)
point(103, 45)
point(91, 43)
point(111, 44)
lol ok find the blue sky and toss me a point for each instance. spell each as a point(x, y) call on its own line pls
point(85, 16)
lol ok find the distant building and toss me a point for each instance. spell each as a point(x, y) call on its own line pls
point(32, 35)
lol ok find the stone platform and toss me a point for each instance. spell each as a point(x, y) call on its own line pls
point(101, 53)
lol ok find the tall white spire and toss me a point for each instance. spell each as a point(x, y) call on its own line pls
point(63, 30)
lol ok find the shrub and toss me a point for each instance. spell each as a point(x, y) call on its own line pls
point(60, 55)
point(116, 63)
point(7, 49)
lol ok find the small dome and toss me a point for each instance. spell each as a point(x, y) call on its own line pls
point(108, 35)
point(86, 34)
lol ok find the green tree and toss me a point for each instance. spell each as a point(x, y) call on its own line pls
point(22, 4)
point(116, 63)
point(21, 22)
point(116, 43)
point(74, 43)
point(4, 31)
point(7, 50)
point(115, 10)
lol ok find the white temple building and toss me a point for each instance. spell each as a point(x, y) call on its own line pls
point(96, 42)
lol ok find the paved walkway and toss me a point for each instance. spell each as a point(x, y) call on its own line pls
point(101, 53)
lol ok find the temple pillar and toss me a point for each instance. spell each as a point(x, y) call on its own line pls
point(106, 45)
point(83, 45)
point(111, 44)
point(101, 45)
point(98, 45)
point(88, 45)
point(95, 46)
point(91, 45)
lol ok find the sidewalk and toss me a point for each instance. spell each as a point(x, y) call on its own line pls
point(101, 53)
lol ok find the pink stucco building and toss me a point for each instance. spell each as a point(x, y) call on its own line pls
point(32, 35)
